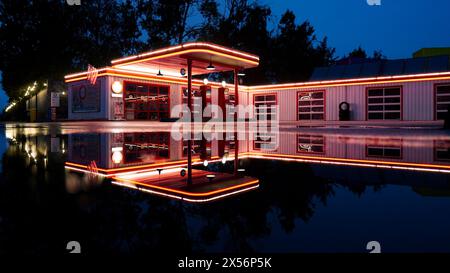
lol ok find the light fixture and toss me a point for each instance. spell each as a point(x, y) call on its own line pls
point(224, 84)
point(210, 67)
point(205, 163)
point(159, 73)
point(224, 158)
point(117, 157)
point(210, 177)
point(241, 73)
point(117, 87)
point(205, 81)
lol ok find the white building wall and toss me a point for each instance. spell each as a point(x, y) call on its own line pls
point(417, 100)
point(102, 114)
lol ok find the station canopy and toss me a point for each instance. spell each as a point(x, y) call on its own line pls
point(206, 58)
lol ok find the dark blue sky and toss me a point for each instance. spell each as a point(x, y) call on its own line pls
point(397, 27)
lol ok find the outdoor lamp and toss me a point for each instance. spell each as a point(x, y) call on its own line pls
point(224, 84)
point(241, 73)
point(159, 73)
point(210, 67)
point(205, 81)
point(205, 163)
point(224, 158)
point(117, 157)
point(210, 177)
point(117, 87)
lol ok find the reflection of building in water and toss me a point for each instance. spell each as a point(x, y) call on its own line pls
point(121, 152)
point(413, 152)
point(155, 163)
point(38, 148)
point(130, 152)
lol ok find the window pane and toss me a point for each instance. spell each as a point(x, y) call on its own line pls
point(304, 102)
point(376, 100)
point(317, 95)
point(443, 106)
point(153, 91)
point(392, 92)
point(392, 116)
point(270, 98)
point(259, 98)
point(375, 115)
point(441, 115)
point(130, 87)
point(392, 152)
point(317, 109)
point(317, 116)
point(376, 108)
point(443, 98)
point(374, 151)
point(304, 116)
point(392, 100)
point(443, 89)
point(142, 89)
point(392, 107)
point(164, 91)
point(375, 92)
point(304, 109)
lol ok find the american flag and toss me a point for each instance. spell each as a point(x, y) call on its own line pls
point(92, 74)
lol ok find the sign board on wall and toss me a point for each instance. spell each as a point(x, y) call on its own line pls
point(54, 99)
point(86, 98)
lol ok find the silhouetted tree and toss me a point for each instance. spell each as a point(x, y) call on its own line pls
point(46, 39)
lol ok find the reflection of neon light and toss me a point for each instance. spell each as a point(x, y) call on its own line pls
point(356, 162)
point(184, 198)
point(84, 171)
point(192, 194)
point(179, 163)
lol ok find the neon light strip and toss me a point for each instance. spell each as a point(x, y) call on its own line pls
point(189, 51)
point(150, 78)
point(346, 82)
point(145, 76)
point(187, 45)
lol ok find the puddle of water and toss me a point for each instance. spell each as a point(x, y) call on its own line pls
point(123, 189)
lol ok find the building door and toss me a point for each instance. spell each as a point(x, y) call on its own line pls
point(146, 101)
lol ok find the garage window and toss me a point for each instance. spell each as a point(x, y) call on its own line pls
point(311, 105)
point(384, 103)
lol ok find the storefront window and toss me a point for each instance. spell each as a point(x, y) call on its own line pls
point(146, 101)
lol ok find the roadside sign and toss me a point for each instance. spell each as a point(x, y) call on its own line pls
point(54, 99)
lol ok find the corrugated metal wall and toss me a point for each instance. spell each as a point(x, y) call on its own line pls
point(417, 97)
point(414, 150)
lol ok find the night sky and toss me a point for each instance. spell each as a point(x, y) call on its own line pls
point(397, 27)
